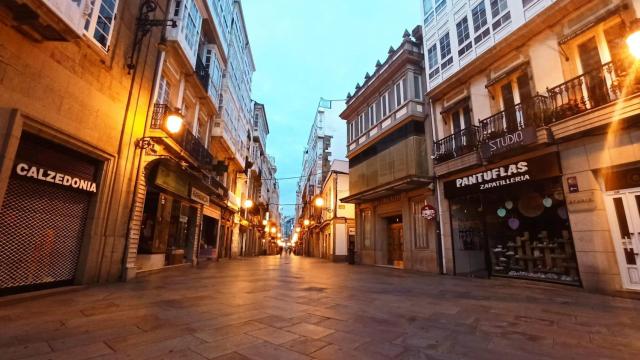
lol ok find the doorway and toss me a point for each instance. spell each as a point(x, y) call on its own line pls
point(395, 242)
point(623, 209)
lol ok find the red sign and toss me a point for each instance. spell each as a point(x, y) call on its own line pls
point(428, 212)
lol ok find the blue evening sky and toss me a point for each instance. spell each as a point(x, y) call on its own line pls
point(304, 50)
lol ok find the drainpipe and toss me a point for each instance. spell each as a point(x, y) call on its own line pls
point(440, 238)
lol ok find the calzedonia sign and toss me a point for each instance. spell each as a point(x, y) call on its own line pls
point(497, 177)
point(42, 174)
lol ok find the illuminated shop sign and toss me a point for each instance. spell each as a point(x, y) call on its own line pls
point(511, 173)
point(55, 177)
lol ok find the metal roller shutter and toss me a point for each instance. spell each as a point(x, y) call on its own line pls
point(41, 231)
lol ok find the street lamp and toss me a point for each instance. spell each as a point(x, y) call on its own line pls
point(318, 202)
point(273, 230)
point(306, 222)
point(173, 122)
point(248, 204)
point(297, 229)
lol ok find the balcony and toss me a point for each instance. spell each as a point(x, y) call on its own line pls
point(185, 138)
point(535, 112)
point(457, 144)
point(578, 104)
point(411, 108)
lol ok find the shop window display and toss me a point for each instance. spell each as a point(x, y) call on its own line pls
point(525, 228)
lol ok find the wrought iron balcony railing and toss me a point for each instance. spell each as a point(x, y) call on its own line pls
point(582, 93)
point(185, 138)
point(457, 144)
point(589, 90)
point(534, 112)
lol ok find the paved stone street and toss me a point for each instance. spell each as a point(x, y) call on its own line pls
point(299, 308)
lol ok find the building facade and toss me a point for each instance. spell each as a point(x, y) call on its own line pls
point(326, 142)
point(389, 172)
point(534, 116)
point(335, 219)
point(72, 104)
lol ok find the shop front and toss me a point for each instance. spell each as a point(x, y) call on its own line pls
point(511, 220)
point(171, 218)
point(44, 215)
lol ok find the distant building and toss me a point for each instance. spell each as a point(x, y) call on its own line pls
point(326, 142)
point(335, 219)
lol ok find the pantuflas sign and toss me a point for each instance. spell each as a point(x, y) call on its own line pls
point(39, 173)
point(541, 167)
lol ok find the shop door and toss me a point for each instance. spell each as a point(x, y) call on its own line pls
point(624, 219)
point(396, 246)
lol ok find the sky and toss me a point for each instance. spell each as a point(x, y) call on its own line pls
point(304, 50)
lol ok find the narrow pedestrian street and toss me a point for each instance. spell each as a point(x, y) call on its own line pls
point(297, 308)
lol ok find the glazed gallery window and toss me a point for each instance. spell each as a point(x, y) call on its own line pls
point(384, 105)
point(367, 228)
point(352, 133)
point(464, 37)
point(480, 24)
point(428, 11)
point(432, 59)
point(500, 13)
point(445, 51)
point(372, 116)
point(421, 226)
point(191, 20)
point(99, 24)
point(440, 5)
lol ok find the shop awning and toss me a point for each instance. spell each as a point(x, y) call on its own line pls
point(400, 185)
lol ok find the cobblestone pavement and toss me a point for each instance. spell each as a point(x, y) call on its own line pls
point(300, 308)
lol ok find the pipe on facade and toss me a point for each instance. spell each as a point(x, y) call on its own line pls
point(443, 261)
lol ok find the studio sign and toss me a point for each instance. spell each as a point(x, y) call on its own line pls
point(500, 176)
point(37, 173)
point(508, 141)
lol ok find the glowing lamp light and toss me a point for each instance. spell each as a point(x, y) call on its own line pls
point(306, 222)
point(248, 204)
point(264, 222)
point(318, 202)
point(297, 229)
point(633, 42)
point(174, 123)
point(273, 230)
point(279, 235)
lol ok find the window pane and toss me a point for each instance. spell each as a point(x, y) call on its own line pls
point(479, 17)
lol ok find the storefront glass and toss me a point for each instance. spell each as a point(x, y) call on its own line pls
point(511, 220)
point(520, 231)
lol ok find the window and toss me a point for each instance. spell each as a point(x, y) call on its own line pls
point(421, 226)
point(479, 18)
point(367, 229)
point(164, 91)
point(445, 51)
point(352, 133)
point(429, 15)
point(191, 24)
point(462, 31)
point(432, 58)
point(385, 104)
point(399, 92)
point(500, 12)
point(360, 124)
point(498, 7)
point(440, 5)
point(372, 116)
point(417, 87)
point(99, 24)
